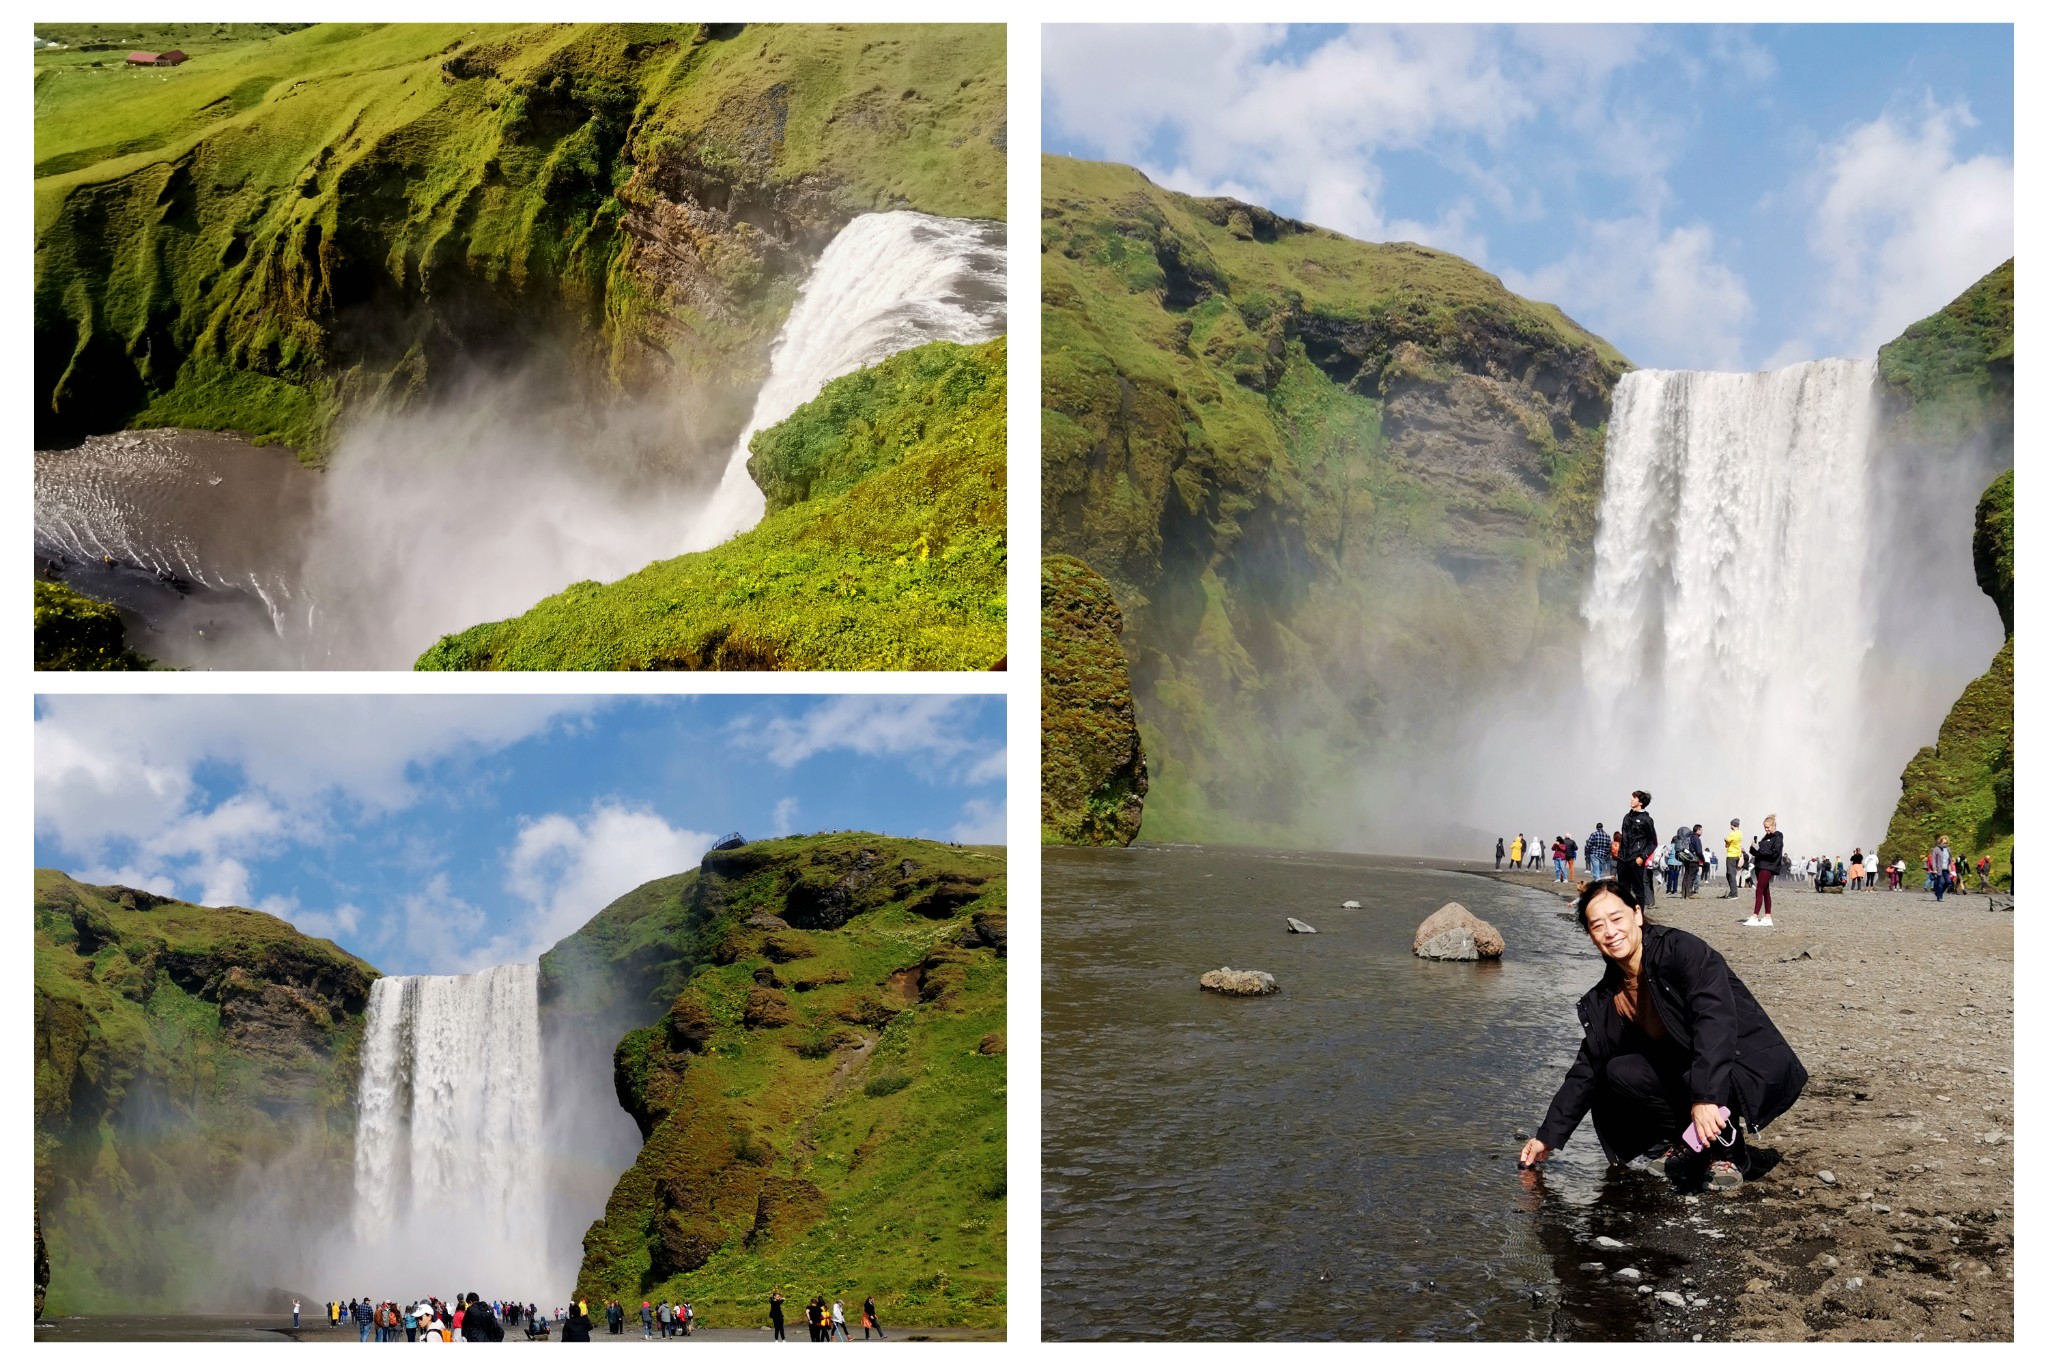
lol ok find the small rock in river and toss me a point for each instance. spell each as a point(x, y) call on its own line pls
point(1642, 1289)
point(1592, 1265)
point(1295, 926)
point(1628, 1274)
point(1455, 933)
point(1351, 905)
point(1230, 981)
point(1608, 1244)
point(1671, 1297)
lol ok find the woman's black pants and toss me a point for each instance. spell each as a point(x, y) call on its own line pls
point(1639, 1108)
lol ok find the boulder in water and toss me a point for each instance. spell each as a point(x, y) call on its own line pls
point(1295, 926)
point(1231, 981)
point(1445, 934)
point(1351, 905)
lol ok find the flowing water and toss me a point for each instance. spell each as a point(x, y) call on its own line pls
point(450, 1177)
point(1333, 1162)
point(224, 555)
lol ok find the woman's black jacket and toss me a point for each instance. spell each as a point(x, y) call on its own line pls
point(1770, 850)
point(1638, 836)
point(1738, 1056)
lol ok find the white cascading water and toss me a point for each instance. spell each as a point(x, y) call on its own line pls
point(450, 1178)
point(1728, 622)
point(887, 282)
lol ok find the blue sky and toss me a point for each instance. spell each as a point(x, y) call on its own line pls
point(441, 834)
point(1704, 197)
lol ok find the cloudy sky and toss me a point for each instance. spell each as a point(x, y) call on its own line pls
point(1703, 197)
point(442, 834)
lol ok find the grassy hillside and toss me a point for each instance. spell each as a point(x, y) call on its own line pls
point(1092, 776)
point(292, 221)
point(885, 545)
point(182, 1056)
point(822, 1103)
point(1947, 382)
point(1327, 481)
point(74, 631)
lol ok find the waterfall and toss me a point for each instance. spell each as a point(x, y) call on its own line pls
point(1728, 620)
point(450, 1180)
point(887, 282)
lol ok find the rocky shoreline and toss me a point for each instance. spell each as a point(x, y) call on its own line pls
point(1889, 1214)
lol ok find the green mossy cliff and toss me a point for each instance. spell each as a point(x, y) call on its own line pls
point(74, 631)
point(290, 223)
point(821, 1098)
point(188, 1062)
point(885, 545)
point(1327, 480)
point(1092, 777)
point(1947, 382)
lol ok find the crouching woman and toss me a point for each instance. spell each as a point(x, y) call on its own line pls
point(1672, 1038)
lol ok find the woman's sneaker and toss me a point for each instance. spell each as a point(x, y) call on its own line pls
point(1724, 1176)
point(1753, 922)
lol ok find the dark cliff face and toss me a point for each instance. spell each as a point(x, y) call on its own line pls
point(1092, 776)
point(1947, 389)
point(1339, 489)
point(181, 1053)
point(822, 1089)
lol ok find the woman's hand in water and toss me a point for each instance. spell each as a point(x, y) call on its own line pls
point(1707, 1119)
point(1534, 1152)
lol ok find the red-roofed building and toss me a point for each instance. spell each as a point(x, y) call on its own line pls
point(171, 58)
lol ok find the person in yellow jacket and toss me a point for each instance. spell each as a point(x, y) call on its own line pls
point(1732, 843)
point(1515, 852)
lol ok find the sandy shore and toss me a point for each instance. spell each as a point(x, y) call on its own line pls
point(1902, 1011)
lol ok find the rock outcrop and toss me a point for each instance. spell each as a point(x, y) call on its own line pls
point(1231, 981)
point(1947, 384)
point(1337, 488)
point(1455, 934)
point(1092, 775)
point(177, 1049)
point(861, 1105)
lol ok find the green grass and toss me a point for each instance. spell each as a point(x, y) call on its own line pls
point(894, 558)
point(149, 1107)
point(292, 222)
point(1092, 775)
point(1236, 426)
point(778, 1158)
point(74, 631)
point(1950, 375)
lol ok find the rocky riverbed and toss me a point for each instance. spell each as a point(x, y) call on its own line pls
point(1889, 1216)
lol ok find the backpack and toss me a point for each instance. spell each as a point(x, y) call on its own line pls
point(1571, 849)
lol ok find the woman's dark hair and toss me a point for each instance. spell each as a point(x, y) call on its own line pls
point(1620, 890)
point(1643, 797)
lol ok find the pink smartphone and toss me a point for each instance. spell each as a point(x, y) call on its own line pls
point(1692, 1130)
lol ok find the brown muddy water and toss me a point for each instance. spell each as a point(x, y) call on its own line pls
point(196, 536)
point(1334, 1162)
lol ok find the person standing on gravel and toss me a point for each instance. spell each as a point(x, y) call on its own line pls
point(1731, 858)
point(1638, 845)
point(1500, 851)
point(1673, 1042)
point(1767, 858)
point(1939, 858)
point(1599, 852)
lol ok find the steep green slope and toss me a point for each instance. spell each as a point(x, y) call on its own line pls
point(822, 1103)
point(1327, 480)
point(1947, 385)
point(286, 224)
point(186, 1060)
point(1092, 777)
point(885, 545)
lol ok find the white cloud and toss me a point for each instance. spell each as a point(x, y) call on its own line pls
point(876, 726)
point(981, 822)
point(565, 869)
point(435, 925)
point(129, 875)
point(1902, 225)
point(785, 816)
point(344, 920)
point(113, 771)
point(1667, 289)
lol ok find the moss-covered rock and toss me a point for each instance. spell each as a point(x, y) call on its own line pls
point(1092, 777)
point(1326, 480)
point(768, 1160)
point(74, 631)
point(293, 222)
point(177, 1049)
point(1948, 385)
point(889, 549)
